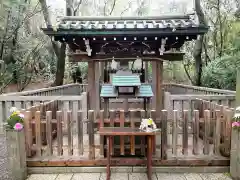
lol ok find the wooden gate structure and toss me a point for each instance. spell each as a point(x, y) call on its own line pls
point(194, 121)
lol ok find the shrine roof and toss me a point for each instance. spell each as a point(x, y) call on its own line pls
point(131, 80)
point(109, 91)
point(118, 25)
point(145, 91)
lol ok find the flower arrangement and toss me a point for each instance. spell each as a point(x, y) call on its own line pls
point(15, 120)
point(148, 125)
point(236, 119)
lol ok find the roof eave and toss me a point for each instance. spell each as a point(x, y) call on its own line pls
point(88, 32)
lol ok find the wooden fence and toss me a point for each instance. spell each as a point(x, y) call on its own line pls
point(25, 102)
point(187, 101)
point(175, 146)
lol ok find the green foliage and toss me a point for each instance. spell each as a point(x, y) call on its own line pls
point(14, 118)
point(26, 51)
point(221, 73)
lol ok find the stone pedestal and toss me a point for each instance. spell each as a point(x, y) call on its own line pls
point(16, 154)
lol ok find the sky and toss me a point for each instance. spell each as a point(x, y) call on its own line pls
point(156, 7)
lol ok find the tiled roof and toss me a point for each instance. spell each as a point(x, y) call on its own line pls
point(111, 23)
point(127, 24)
point(131, 80)
point(108, 91)
point(156, 26)
point(145, 91)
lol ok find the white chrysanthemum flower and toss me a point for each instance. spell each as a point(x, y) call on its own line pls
point(238, 108)
point(146, 122)
point(13, 109)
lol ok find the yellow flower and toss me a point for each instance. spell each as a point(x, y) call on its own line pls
point(15, 113)
point(150, 121)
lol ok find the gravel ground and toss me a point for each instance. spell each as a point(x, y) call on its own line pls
point(4, 175)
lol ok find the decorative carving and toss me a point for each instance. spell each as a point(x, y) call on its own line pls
point(125, 48)
point(162, 49)
point(88, 48)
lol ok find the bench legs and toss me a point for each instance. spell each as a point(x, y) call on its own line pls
point(149, 156)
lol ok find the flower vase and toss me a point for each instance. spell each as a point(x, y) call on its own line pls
point(235, 154)
point(16, 154)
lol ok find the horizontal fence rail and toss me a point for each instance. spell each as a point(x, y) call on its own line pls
point(75, 89)
point(68, 89)
point(188, 89)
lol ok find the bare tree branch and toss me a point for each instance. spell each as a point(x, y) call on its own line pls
point(187, 73)
point(104, 8)
point(113, 6)
point(77, 7)
point(48, 22)
point(21, 23)
point(127, 8)
point(23, 65)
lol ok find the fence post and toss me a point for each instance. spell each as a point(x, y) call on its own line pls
point(84, 110)
point(235, 140)
point(168, 104)
point(235, 157)
point(1, 118)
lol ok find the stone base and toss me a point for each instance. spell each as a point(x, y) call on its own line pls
point(16, 154)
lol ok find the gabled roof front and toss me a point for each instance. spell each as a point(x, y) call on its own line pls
point(121, 36)
point(112, 25)
point(131, 80)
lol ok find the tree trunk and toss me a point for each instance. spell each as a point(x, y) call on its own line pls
point(59, 50)
point(197, 54)
point(60, 66)
point(62, 51)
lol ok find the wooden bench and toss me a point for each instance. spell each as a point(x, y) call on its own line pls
point(125, 146)
point(110, 132)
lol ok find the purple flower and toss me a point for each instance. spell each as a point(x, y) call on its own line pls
point(236, 124)
point(18, 126)
point(21, 116)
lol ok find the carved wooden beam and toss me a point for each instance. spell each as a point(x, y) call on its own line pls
point(168, 56)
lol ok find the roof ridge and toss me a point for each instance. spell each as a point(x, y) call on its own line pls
point(116, 18)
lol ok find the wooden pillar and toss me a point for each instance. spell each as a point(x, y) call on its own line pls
point(106, 107)
point(91, 85)
point(157, 74)
point(125, 104)
point(97, 86)
point(146, 72)
point(153, 106)
point(101, 64)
